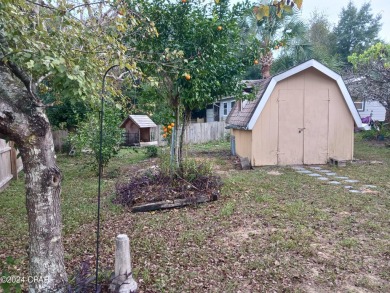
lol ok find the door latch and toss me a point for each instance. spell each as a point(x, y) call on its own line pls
point(301, 129)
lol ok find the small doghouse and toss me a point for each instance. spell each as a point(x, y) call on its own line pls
point(302, 116)
point(140, 130)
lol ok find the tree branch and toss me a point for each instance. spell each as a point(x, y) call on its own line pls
point(42, 4)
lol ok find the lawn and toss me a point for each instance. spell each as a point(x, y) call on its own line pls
point(273, 230)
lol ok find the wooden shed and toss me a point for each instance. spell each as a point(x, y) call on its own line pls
point(302, 116)
point(140, 130)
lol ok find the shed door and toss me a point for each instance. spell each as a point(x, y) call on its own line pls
point(291, 121)
point(316, 111)
point(303, 127)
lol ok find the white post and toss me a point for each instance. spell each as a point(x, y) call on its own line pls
point(123, 281)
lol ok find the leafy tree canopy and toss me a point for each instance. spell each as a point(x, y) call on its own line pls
point(370, 79)
point(274, 24)
point(356, 30)
point(65, 46)
point(198, 55)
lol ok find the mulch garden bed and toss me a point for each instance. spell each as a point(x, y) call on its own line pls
point(153, 190)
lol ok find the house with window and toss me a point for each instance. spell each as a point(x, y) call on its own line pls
point(219, 110)
point(374, 109)
point(365, 107)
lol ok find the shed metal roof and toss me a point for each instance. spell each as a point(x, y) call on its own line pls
point(142, 121)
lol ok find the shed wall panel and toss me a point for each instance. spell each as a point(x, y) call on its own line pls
point(341, 127)
point(291, 125)
point(265, 134)
point(243, 143)
point(131, 127)
point(316, 126)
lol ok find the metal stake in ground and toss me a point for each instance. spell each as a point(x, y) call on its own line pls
point(100, 176)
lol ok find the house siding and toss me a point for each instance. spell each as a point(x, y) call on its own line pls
point(222, 115)
point(375, 108)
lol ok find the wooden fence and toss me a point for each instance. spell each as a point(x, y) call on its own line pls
point(195, 133)
point(10, 164)
point(199, 132)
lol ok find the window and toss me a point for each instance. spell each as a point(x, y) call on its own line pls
point(359, 104)
point(232, 105)
point(225, 109)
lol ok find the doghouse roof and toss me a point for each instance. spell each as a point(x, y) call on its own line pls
point(250, 112)
point(142, 121)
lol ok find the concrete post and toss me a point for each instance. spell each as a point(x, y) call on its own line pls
point(123, 281)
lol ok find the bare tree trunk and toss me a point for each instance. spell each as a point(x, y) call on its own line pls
point(387, 117)
point(266, 63)
point(24, 121)
point(186, 119)
point(176, 136)
point(265, 71)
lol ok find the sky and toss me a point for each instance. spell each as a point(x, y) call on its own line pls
point(332, 8)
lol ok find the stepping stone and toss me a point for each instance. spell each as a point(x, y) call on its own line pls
point(354, 191)
point(322, 178)
point(305, 172)
point(351, 181)
point(298, 168)
point(324, 171)
point(348, 187)
point(341, 177)
point(330, 174)
point(314, 175)
point(316, 168)
point(334, 182)
point(369, 186)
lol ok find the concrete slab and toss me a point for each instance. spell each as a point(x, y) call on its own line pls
point(334, 182)
point(324, 171)
point(322, 178)
point(330, 174)
point(348, 187)
point(315, 168)
point(351, 181)
point(369, 186)
point(354, 191)
point(305, 172)
point(314, 175)
point(298, 168)
point(341, 177)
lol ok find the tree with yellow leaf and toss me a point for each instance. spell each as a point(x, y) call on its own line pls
point(273, 23)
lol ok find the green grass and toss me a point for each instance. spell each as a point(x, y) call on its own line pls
point(285, 233)
point(78, 197)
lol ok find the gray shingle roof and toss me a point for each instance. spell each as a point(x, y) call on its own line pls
point(142, 121)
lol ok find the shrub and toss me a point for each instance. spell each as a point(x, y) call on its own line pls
point(152, 151)
point(369, 134)
point(192, 169)
point(87, 136)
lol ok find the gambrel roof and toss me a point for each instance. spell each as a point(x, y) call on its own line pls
point(250, 112)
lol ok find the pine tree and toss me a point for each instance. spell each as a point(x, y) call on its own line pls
point(357, 30)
